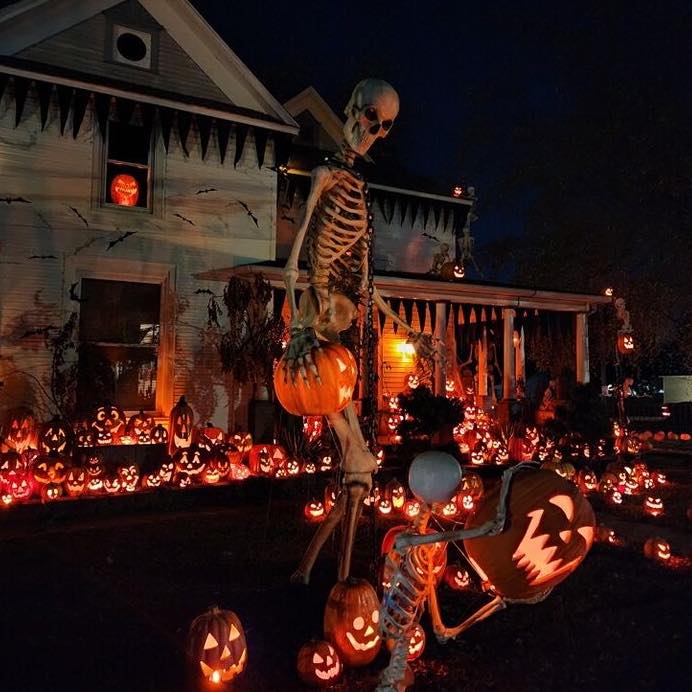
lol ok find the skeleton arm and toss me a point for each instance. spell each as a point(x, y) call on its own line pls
point(320, 179)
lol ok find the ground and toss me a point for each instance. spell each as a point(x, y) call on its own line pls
point(101, 599)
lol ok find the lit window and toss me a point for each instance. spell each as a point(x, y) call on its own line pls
point(119, 330)
point(128, 165)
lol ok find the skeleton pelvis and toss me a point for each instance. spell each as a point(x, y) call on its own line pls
point(327, 318)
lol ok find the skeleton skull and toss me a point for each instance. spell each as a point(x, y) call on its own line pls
point(370, 114)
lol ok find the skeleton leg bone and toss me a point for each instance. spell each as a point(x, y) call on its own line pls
point(356, 493)
point(444, 633)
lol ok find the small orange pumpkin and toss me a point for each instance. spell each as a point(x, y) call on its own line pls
point(319, 664)
point(338, 373)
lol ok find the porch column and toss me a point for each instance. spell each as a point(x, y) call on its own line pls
point(439, 333)
point(519, 355)
point(508, 379)
point(482, 373)
point(582, 336)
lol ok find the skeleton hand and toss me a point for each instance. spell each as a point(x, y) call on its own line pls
point(424, 345)
point(299, 355)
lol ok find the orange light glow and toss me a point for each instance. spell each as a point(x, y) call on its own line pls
point(124, 190)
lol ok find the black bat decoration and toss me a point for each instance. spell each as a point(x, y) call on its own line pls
point(249, 212)
point(42, 257)
point(432, 237)
point(206, 190)
point(186, 220)
point(208, 291)
point(73, 293)
point(79, 216)
point(288, 218)
point(120, 239)
point(10, 200)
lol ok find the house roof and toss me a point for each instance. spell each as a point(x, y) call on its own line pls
point(25, 23)
point(432, 288)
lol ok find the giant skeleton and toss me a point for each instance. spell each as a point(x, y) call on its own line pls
point(337, 230)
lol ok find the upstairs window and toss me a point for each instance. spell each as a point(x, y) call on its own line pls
point(119, 327)
point(128, 165)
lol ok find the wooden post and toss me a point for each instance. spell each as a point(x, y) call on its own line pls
point(508, 380)
point(440, 328)
point(520, 356)
point(582, 338)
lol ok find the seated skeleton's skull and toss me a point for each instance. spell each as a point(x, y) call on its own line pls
point(370, 114)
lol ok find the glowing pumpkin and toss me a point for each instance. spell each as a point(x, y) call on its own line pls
point(51, 492)
point(457, 577)
point(338, 373)
point(625, 343)
point(550, 530)
point(124, 190)
point(75, 481)
point(319, 664)
point(50, 468)
point(180, 426)
point(216, 645)
point(416, 642)
point(108, 422)
point(19, 429)
point(314, 510)
point(21, 487)
point(657, 549)
point(653, 506)
point(140, 428)
point(55, 436)
point(351, 621)
point(12, 465)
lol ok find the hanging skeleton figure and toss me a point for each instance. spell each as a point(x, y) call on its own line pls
point(527, 550)
point(338, 232)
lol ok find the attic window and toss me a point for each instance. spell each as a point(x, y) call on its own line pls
point(128, 165)
point(132, 47)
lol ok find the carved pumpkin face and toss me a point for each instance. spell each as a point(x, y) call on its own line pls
point(95, 485)
point(292, 467)
point(314, 510)
point(210, 473)
point(351, 621)
point(653, 505)
point(384, 506)
point(11, 466)
point(50, 468)
point(450, 510)
point(625, 343)
point(6, 498)
point(457, 577)
point(129, 477)
point(211, 437)
point(166, 471)
point(416, 643)
point(55, 436)
point(587, 480)
point(86, 437)
point(396, 493)
point(466, 503)
point(657, 549)
point(20, 429)
point(225, 461)
point(151, 481)
point(261, 459)
point(242, 441)
point(140, 428)
point(109, 423)
point(75, 481)
point(216, 645)
point(551, 529)
point(94, 466)
point(614, 496)
point(159, 435)
point(478, 455)
point(411, 508)
point(183, 480)
point(112, 485)
point(238, 472)
point(319, 664)
point(180, 426)
point(189, 460)
point(326, 463)
point(21, 487)
point(51, 492)
point(659, 477)
point(309, 467)
point(412, 381)
point(472, 484)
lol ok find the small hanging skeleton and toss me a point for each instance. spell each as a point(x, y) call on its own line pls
point(337, 230)
point(411, 583)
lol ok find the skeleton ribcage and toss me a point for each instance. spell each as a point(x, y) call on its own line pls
point(336, 242)
point(409, 584)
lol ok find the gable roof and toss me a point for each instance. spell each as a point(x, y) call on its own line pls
point(310, 100)
point(29, 22)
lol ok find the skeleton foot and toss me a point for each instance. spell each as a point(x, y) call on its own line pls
point(299, 355)
point(300, 577)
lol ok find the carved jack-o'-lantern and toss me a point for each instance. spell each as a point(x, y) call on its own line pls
point(124, 190)
point(21, 487)
point(351, 621)
point(95, 485)
point(587, 480)
point(384, 506)
point(108, 422)
point(19, 429)
point(216, 645)
point(209, 437)
point(189, 460)
point(55, 436)
point(166, 471)
point(159, 435)
point(314, 510)
point(326, 462)
point(140, 428)
point(86, 437)
point(657, 549)
point(396, 493)
point(319, 664)
point(75, 481)
point(471, 484)
point(51, 491)
point(183, 479)
point(416, 642)
point(6, 498)
point(261, 460)
point(625, 343)
point(237, 472)
point(309, 467)
point(457, 577)
point(210, 473)
point(151, 481)
point(112, 484)
point(412, 381)
point(180, 426)
point(653, 505)
point(338, 374)
point(129, 477)
point(242, 441)
point(450, 509)
point(411, 508)
point(12, 465)
point(50, 468)
point(551, 529)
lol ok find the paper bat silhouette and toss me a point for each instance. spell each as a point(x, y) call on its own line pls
point(206, 190)
point(43, 331)
point(120, 239)
point(10, 200)
point(42, 257)
point(186, 220)
point(249, 212)
point(79, 216)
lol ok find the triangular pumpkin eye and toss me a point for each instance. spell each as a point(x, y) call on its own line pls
point(206, 670)
point(210, 642)
point(316, 658)
point(225, 653)
point(234, 634)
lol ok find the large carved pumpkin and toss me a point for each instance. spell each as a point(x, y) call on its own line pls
point(319, 664)
point(12, 465)
point(50, 468)
point(180, 426)
point(55, 436)
point(216, 645)
point(338, 373)
point(140, 427)
point(550, 529)
point(108, 422)
point(351, 621)
point(19, 429)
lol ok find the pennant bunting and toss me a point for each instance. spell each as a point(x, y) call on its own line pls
point(240, 137)
point(184, 126)
point(21, 89)
point(261, 137)
point(420, 307)
point(394, 304)
point(45, 92)
point(223, 133)
point(204, 124)
point(64, 101)
point(166, 121)
point(81, 101)
point(408, 310)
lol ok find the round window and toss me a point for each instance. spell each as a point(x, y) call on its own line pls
point(131, 47)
